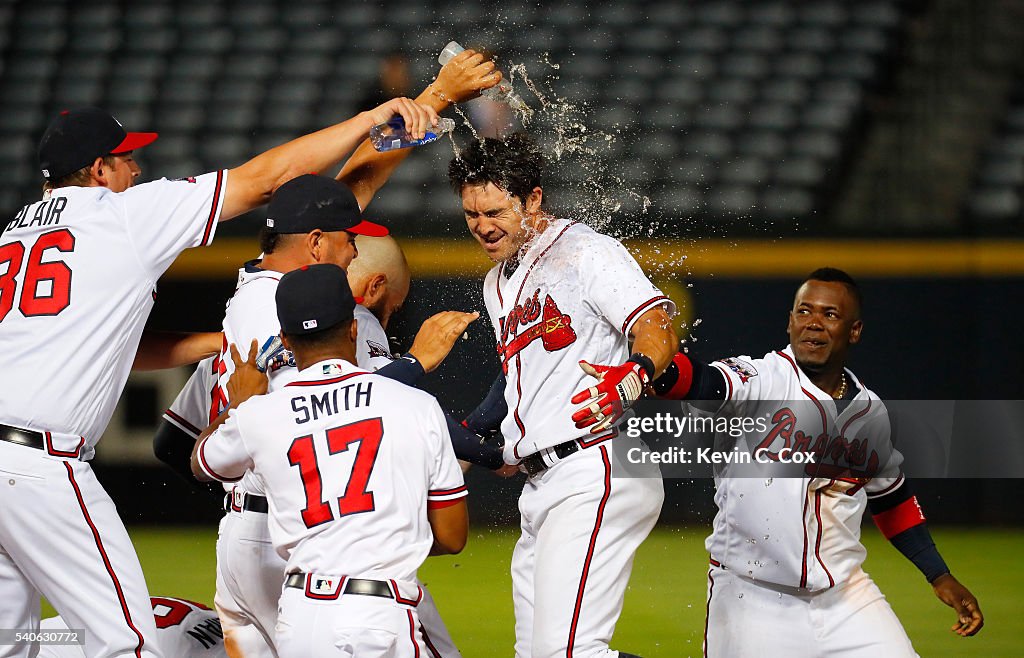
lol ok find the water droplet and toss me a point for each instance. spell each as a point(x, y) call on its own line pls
point(768, 482)
point(740, 595)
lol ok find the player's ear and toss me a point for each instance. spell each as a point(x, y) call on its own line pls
point(534, 200)
point(99, 171)
point(353, 330)
point(376, 289)
point(315, 243)
point(855, 330)
point(284, 341)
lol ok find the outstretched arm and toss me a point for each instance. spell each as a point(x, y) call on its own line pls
point(169, 349)
point(459, 80)
point(251, 184)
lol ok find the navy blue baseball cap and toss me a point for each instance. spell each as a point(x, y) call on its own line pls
point(75, 138)
point(314, 298)
point(312, 202)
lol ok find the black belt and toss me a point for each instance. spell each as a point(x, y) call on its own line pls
point(535, 463)
point(21, 437)
point(250, 503)
point(359, 586)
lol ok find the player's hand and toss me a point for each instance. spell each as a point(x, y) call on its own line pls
point(507, 471)
point(247, 380)
point(437, 336)
point(617, 388)
point(419, 118)
point(968, 612)
point(465, 76)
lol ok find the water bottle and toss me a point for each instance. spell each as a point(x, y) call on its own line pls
point(393, 135)
point(501, 92)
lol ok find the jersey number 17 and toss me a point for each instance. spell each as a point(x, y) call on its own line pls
point(302, 453)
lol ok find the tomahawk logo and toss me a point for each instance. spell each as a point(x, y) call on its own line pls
point(554, 329)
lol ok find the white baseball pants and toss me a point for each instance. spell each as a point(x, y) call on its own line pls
point(581, 528)
point(751, 618)
point(351, 625)
point(61, 537)
point(249, 578)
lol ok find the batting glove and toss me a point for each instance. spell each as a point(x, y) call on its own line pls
point(618, 387)
point(273, 355)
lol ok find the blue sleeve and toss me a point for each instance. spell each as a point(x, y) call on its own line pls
point(406, 370)
point(472, 448)
point(487, 417)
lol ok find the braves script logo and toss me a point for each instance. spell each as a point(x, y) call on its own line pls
point(554, 328)
point(835, 456)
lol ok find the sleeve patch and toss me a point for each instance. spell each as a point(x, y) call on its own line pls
point(743, 369)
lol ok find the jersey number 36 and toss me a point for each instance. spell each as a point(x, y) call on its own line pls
point(302, 453)
point(58, 274)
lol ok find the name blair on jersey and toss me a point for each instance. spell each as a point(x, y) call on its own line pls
point(46, 214)
point(339, 399)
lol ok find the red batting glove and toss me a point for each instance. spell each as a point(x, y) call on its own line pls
point(618, 387)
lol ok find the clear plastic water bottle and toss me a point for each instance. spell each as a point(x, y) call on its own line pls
point(393, 135)
point(501, 92)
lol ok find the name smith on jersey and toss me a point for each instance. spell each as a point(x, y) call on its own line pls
point(339, 399)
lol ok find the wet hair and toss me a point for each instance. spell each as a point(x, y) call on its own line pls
point(834, 275)
point(514, 164)
point(79, 178)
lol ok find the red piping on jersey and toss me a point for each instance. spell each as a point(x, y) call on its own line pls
point(325, 382)
point(803, 515)
point(515, 410)
point(707, 612)
point(213, 211)
point(106, 561)
point(446, 492)
point(178, 419)
point(855, 417)
point(590, 551)
point(519, 362)
point(430, 645)
point(904, 516)
point(601, 439)
point(412, 634)
point(638, 309)
point(817, 542)
point(892, 486)
point(63, 453)
point(206, 466)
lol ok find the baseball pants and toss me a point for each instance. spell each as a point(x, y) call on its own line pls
point(61, 537)
point(581, 528)
point(351, 625)
point(249, 576)
point(850, 620)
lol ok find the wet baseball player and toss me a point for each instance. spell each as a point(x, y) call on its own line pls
point(78, 274)
point(785, 576)
point(364, 486)
point(184, 629)
point(559, 295)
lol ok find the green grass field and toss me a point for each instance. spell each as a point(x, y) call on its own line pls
point(664, 611)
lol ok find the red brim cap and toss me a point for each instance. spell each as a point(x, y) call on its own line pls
point(369, 228)
point(134, 141)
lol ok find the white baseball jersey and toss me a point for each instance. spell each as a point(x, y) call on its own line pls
point(574, 296)
point(350, 461)
point(184, 629)
point(796, 531)
point(190, 411)
point(78, 275)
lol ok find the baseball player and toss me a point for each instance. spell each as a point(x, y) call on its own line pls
point(561, 294)
point(309, 215)
point(184, 629)
point(364, 489)
point(78, 271)
point(786, 576)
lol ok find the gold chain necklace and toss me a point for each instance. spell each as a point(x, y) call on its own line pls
point(841, 393)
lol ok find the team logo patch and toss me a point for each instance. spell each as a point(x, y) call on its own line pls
point(309, 324)
point(186, 179)
point(270, 222)
point(741, 368)
point(375, 349)
point(554, 328)
point(332, 369)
